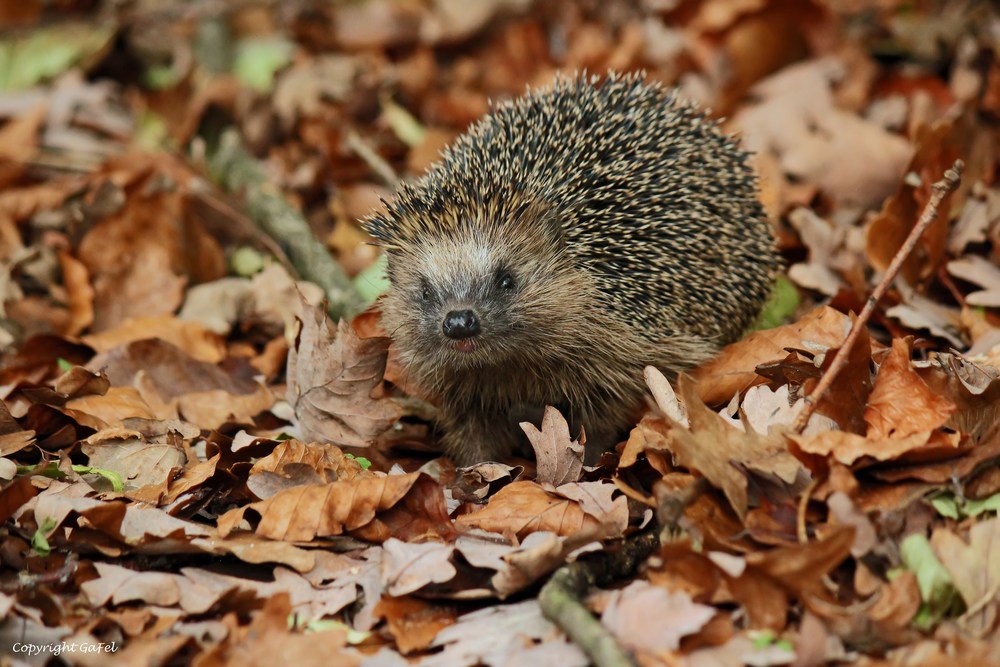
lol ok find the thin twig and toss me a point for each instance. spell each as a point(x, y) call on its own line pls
point(561, 598)
point(940, 190)
point(237, 170)
point(375, 161)
point(803, 508)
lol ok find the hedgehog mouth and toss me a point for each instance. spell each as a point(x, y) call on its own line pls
point(464, 345)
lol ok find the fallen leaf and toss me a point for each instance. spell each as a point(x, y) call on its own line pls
point(406, 568)
point(645, 617)
point(306, 512)
point(330, 382)
point(733, 369)
point(901, 404)
point(559, 458)
point(522, 508)
point(974, 569)
point(412, 622)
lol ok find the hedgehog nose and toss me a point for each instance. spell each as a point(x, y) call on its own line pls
point(459, 324)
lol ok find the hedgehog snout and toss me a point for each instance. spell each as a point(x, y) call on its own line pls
point(461, 324)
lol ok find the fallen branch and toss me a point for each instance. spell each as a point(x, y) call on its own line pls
point(239, 171)
point(939, 191)
point(561, 598)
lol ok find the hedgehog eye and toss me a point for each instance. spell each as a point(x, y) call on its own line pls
point(425, 290)
point(506, 281)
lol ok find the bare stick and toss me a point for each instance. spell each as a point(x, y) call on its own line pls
point(373, 159)
point(939, 191)
point(561, 598)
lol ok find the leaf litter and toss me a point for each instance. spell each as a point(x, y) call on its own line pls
point(198, 467)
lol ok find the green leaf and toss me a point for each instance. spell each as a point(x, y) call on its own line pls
point(373, 281)
point(26, 61)
point(258, 58)
point(246, 261)
point(403, 124)
point(151, 132)
point(40, 543)
point(780, 305)
point(52, 471)
point(974, 508)
point(763, 638)
point(937, 590)
point(63, 365)
point(946, 505)
point(362, 461)
point(116, 479)
point(325, 625)
point(161, 77)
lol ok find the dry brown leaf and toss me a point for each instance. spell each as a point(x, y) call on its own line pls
point(721, 452)
point(848, 448)
point(522, 508)
point(19, 136)
point(119, 585)
point(559, 458)
point(975, 569)
point(290, 460)
point(845, 400)
point(854, 161)
point(648, 618)
point(649, 437)
point(141, 253)
point(732, 370)
point(972, 387)
point(331, 379)
point(306, 512)
point(536, 556)
point(406, 567)
point(897, 603)
point(267, 641)
point(937, 149)
point(118, 404)
point(169, 369)
point(901, 404)
point(511, 634)
point(171, 489)
point(80, 294)
point(195, 340)
point(800, 569)
point(413, 623)
point(211, 409)
point(139, 463)
point(600, 500)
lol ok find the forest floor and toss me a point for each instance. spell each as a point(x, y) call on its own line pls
point(201, 464)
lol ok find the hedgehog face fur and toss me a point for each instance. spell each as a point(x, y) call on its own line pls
point(464, 301)
point(570, 238)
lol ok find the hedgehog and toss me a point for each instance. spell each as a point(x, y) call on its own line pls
point(567, 240)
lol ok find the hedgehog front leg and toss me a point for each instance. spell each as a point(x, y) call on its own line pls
point(473, 436)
